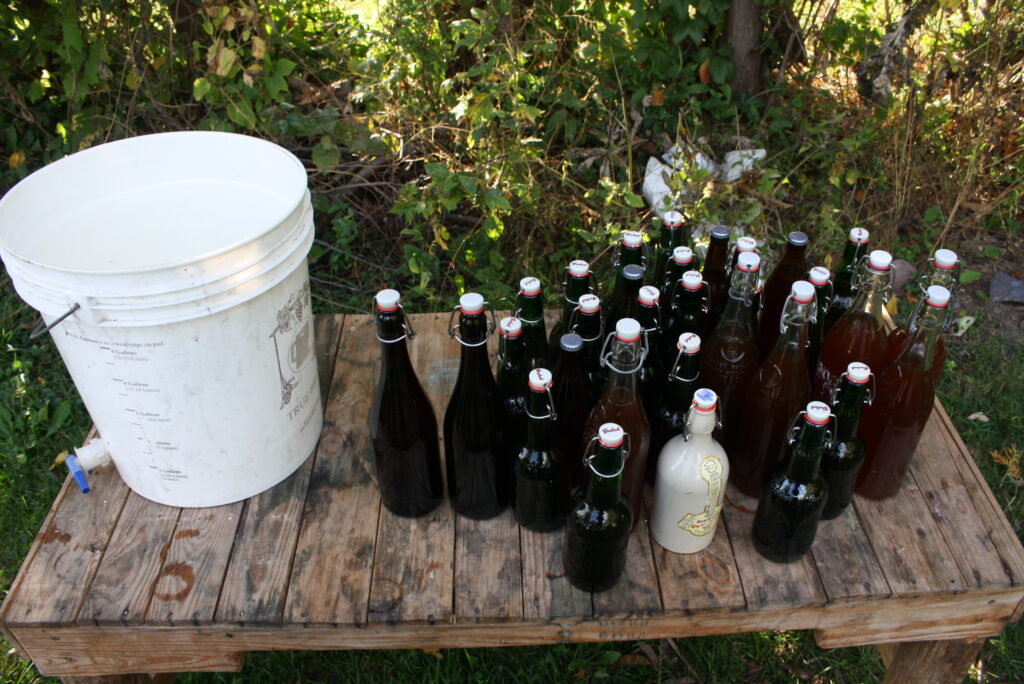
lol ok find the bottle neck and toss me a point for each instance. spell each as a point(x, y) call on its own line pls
point(689, 301)
point(623, 363)
point(631, 255)
point(925, 336)
point(794, 320)
point(511, 350)
point(847, 408)
point(671, 237)
point(872, 290)
point(538, 427)
point(794, 254)
point(391, 331)
point(473, 331)
point(531, 309)
point(701, 422)
point(604, 485)
point(574, 289)
point(805, 454)
point(718, 250)
point(588, 326)
point(647, 317)
point(848, 266)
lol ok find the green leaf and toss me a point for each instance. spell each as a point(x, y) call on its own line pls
point(240, 112)
point(326, 154)
point(283, 67)
point(719, 68)
point(35, 91)
point(634, 200)
point(226, 61)
point(494, 200)
point(200, 87)
point(610, 657)
point(991, 252)
point(967, 277)
point(436, 170)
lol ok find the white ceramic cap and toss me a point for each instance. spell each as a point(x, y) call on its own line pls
point(471, 303)
point(578, 268)
point(748, 262)
point(610, 434)
point(682, 255)
point(648, 295)
point(529, 286)
point(858, 372)
point(819, 276)
point(746, 244)
point(387, 300)
point(938, 296)
point(672, 218)
point(705, 400)
point(818, 413)
point(627, 330)
point(540, 379)
point(590, 303)
point(632, 238)
point(688, 343)
point(880, 260)
point(692, 280)
point(802, 291)
point(859, 236)
point(510, 326)
point(945, 259)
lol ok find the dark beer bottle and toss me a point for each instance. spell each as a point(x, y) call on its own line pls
point(669, 408)
point(530, 310)
point(573, 401)
point(671, 237)
point(776, 392)
point(512, 372)
point(903, 401)
point(403, 429)
point(542, 480)
point(791, 267)
point(622, 302)
point(630, 250)
point(597, 528)
point(819, 278)
point(714, 274)
point(841, 462)
point(680, 262)
point(588, 323)
point(688, 312)
point(788, 513)
point(577, 283)
point(842, 295)
point(647, 316)
point(478, 460)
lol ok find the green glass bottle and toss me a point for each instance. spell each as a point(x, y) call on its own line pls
point(681, 261)
point(511, 373)
point(688, 312)
point(819, 278)
point(840, 464)
point(598, 526)
point(573, 401)
point(588, 323)
point(669, 408)
point(542, 479)
point(622, 302)
point(530, 310)
point(577, 283)
point(844, 289)
point(672, 228)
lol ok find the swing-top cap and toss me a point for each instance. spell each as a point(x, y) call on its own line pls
point(818, 413)
point(590, 303)
point(510, 327)
point(648, 295)
point(802, 291)
point(632, 238)
point(688, 343)
point(749, 262)
point(859, 236)
point(692, 280)
point(610, 435)
point(880, 260)
point(627, 330)
point(682, 255)
point(471, 303)
point(745, 244)
point(819, 276)
point(578, 268)
point(673, 219)
point(387, 300)
point(705, 400)
point(858, 372)
point(938, 296)
point(945, 259)
point(529, 286)
point(540, 379)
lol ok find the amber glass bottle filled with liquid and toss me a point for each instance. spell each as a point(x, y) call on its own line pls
point(844, 290)
point(714, 273)
point(777, 391)
point(478, 456)
point(941, 270)
point(578, 282)
point(403, 429)
point(841, 462)
point(819, 278)
point(791, 267)
point(542, 479)
point(893, 424)
point(621, 403)
point(860, 334)
point(530, 311)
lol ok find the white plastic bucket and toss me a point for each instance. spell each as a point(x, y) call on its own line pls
point(192, 342)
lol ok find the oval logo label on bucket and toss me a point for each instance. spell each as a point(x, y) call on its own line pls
point(293, 340)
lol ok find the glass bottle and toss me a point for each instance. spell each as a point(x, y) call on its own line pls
point(478, 460)
point(692, 471)
point(512, 373)
point(743, 245)
point(791, 267)
point(669, 407)
point(777, 390)
point(630, 250)
point(892, 425)
point(788, 513)
point(598, 526)
point(577, 283)
point(573, 401)
point(819, 278)
point(714, 273)
point(670, 238)
point(860, 334)
point(542, 479)
point(941, 270)
point(841, 462)
point(588, 323)
point(530, 310)
point(621, 403)
point(730, 354)
point(843, 291)
point(687, 312)
point(622, 302)
point(403, 429)
point(650, 325)
point(680, 262)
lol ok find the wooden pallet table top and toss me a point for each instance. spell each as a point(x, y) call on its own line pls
point(115, 583)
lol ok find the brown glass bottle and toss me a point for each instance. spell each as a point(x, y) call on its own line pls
point(941, 270)
point(730, 357)
point(478, 455)
point(621, 403)
point(714, 274)
point(776, 393)
point(892, 425)
point(403, 429)
point(573, 401)
point(843, 290)
point(791, 267)
point(860, 334)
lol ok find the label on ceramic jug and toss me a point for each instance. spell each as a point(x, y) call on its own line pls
point(704, 522)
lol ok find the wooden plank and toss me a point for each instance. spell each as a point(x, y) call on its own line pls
point(846, 563)
point(766, 583)
point(952, 508)
point(330, 579)
point(192, 575)
point(488, 569)
point(53, 580)
point(636, 592)
point(124, 582)
point(930, 662)
point(547, 592)
point(327, 333)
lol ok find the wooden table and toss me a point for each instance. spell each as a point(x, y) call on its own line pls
point(117, 584)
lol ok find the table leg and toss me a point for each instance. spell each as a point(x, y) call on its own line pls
point(929, 662)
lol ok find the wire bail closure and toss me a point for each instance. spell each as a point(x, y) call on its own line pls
point(787, 317)
point(688, 431)
point(409, 332)
point(705, 305)
point(453, 327)
point(862, 266)
point(551, 415)
point(869, 394)
point(606, 355)
point(591, 452)
point(796, 426)
point(574, 323)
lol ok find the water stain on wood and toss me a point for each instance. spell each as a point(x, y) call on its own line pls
point(185, 534)
point(54, 534)
point(184, 573)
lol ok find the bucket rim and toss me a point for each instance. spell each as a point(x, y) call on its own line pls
point(300, 181)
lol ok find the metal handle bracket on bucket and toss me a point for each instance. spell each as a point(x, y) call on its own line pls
point(40, 328)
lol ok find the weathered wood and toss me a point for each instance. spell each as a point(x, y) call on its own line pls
point(930, 662)
point(330, 579)
point(636, 592)
point(547, 592)
point(123, 584)
point(327, 332)
point(488, 569)
point(189, 583)
point(765, 583)
point(846, 564)
point(52, 583)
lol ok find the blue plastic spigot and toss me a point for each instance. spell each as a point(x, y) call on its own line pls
point(78, 472)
